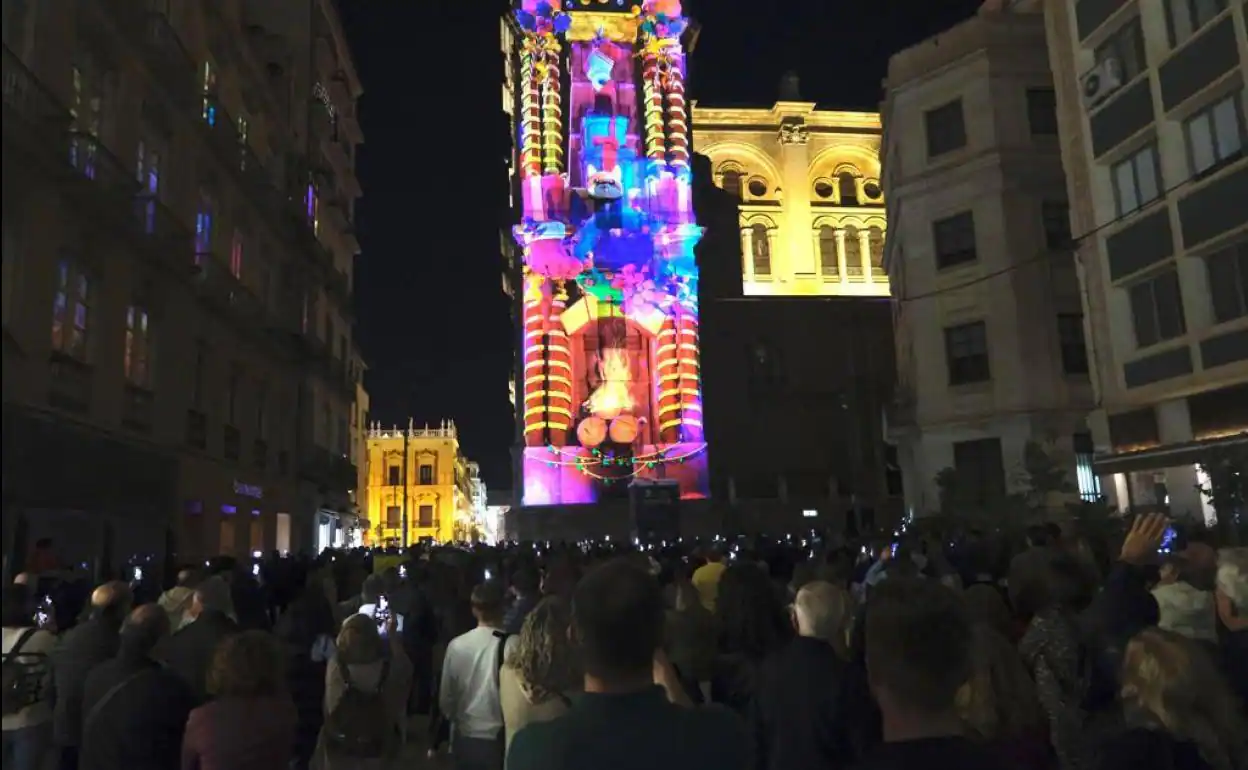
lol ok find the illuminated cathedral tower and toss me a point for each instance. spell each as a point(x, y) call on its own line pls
point(610, 385)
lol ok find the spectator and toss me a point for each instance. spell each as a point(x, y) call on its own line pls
point(706, 578)
point(797, 715)
point(177, 600)
point(250, 724)
point(368, 676)
point(690, 639)
point(525, 589)
point(28, 704)
point(1182, 607)
point(999, 705)
point(1232, 605)
point(370, 590)
point(541, 672)
point(469, 693)
point(306, 633)
point(135, 711)
point(752, 623)
point(82, 649)
point(918, 643)
point(1180, 711)
point(624, 720)
point(189, 652)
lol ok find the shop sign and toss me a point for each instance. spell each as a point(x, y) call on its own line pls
point(248, 490)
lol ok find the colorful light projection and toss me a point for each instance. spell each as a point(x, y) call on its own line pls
point(612, 386)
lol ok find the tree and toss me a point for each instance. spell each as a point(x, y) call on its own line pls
point(1226, 486)
point(1043, 477)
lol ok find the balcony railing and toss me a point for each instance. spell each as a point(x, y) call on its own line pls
point(218, 285)
point(32, 114)
point(69, 386)
point(113, 187)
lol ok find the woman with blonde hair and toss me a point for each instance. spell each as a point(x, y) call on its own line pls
point(540, 675)
point(1180, 713)
point(999, 706)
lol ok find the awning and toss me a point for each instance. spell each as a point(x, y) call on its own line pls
point(1164, 456)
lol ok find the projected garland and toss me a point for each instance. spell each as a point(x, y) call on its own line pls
point(610, 311)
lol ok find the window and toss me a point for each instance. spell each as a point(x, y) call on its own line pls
point(1186, 17)
point(1042, 111)
point(848, 187)
point(204, 221)
point(875, 240)
point(71, 310)
point(231, 395)
point(1126, 46)
point(426, 515)
point(209, 88)
point(1228, 282)
point(1089, 482)
point(90, 92)
point(1136, 181)
point(955, 240)
point(828, 264)
point(138, 352)
point(394, 519)
point(980, 469)
point(394, 475)
point(201, 372)
point(1157, 309)
point(1056, 217)
point(966, 353)
point(312, 202)
point(760, 245)
point(147, 173)
point(853, 251)
point(731, 182)
point(1073, 347)
point(1214, 135)
point(946, 129)
point(236, 254)
point(426, 474)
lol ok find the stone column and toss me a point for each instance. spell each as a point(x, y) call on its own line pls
point(864, 251)
point(747, 253)
point(840, 255)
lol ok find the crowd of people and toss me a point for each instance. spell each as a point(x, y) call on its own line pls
point(929, 651)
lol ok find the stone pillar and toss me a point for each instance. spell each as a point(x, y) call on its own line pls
point(799, 258)
point(747, 253)
point(864, 251)
point(840, 255)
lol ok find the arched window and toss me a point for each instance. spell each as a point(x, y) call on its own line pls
point(853, 252)
point(827, 252)
point(732, 181)
point(875, 239)
point(849, 188)
point(760, 243)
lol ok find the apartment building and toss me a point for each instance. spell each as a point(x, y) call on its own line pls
point(1151, 101)
point(178, 190)
point(987, 316)
point(418, 478)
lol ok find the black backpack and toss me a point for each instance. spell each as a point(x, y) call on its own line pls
point(361, 726)
point(22, 679)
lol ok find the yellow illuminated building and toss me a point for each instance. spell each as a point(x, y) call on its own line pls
point(425, 466)
point(812, 208)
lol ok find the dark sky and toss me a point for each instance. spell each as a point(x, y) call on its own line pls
point(433, 321)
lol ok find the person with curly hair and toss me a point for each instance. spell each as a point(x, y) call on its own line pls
point(752, 623)
point(251, 721)
point(541, 672)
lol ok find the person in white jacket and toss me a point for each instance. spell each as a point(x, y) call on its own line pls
point(1184, 608)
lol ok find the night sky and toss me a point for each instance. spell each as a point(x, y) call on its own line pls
point(432, 319)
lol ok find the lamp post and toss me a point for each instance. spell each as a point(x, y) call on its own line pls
point(406, 435)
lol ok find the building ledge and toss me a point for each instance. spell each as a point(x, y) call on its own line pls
point(1164, 456)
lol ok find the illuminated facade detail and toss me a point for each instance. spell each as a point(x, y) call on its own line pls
point(610, 385)
point(436, 480)
point(812, 209)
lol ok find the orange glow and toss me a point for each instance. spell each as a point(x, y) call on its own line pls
point(612, 397)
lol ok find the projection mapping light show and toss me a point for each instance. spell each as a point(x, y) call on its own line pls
point(611, 385)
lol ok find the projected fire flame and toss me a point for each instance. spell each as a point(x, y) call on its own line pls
point(612, 387)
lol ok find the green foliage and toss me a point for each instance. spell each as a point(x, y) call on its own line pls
point(1043, 476)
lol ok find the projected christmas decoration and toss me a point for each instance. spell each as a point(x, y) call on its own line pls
point(610, 311)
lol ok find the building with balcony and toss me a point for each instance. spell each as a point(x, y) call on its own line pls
point(422, 475)
point(1151, 102)
point(808, 182)
point(987, 317)
point(178, 351)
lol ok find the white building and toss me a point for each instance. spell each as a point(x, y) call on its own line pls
point(1151, 99)
point(988, 321)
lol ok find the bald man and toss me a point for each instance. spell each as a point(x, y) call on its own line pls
point(81, 649)
point(799, 719)
point(134, 710)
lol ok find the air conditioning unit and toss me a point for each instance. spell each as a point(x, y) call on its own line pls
point(1101, 81)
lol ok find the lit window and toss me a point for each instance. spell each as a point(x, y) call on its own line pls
point(1089, 482)
point(204, 224)
point(147, 174)
point(828, 263)
point(209, 89)
point(853, 251)
point(312, 201)
point(71, 310)
point(86, 111)
point(1215, 135)
point(760, 249)
point(1135, 180)
point(138, 347)
point(875, 241)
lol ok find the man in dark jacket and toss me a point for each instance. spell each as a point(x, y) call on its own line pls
point(134, 711)
point(798, 714)
point(526, 591)
point(81, 649)
point(189, 652)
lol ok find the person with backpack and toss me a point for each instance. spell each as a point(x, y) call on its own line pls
point(469, 693)
point(366, 689)
point(27, 702)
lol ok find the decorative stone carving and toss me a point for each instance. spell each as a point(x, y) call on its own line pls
point(794, 133)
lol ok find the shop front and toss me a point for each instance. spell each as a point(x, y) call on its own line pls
point(230, 512)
